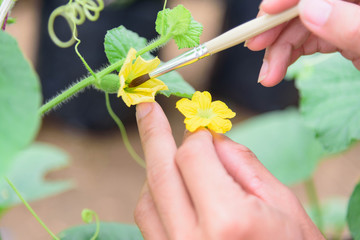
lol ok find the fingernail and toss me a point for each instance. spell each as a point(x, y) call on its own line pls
point(316, 12)
point(246, 43)
point(263, 71)
point(143, 109)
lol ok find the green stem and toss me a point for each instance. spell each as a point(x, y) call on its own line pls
point(79, 55)
point(66, 94)
point(31, 210)
point(124, 136)
point(97, 231)
point(158, 43)
point(90, 80)
point(314, 202)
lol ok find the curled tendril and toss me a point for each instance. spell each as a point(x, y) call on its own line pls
point(87, 216)
point(75, 13)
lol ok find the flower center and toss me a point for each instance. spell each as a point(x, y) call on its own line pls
point(206, 113)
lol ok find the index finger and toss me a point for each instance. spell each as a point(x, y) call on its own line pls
point(277, 6)
point(164, 180)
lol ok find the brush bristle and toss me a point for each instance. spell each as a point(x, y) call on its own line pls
point(139, 80)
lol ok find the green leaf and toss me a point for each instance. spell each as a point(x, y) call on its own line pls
point(353, 213)
point(282, 143)
point(174, 21)
point(192, 37)
point(27, 172)
point(118, 42)
point(20, 99)
point(108, 231)
point(333, 215)
point(179, 23)
point(177, 85)
point(329, 86)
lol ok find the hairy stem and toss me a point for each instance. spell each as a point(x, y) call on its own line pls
point(66, 94)
point(158, 43)
point(31, 210)
point(314, 202)
point(125, 138)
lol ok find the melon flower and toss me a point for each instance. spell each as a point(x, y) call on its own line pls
point(201, 112)
point(130, 70)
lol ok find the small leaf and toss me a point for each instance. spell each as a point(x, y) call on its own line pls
point(20, 99)
point(175, 21)
point(118, 42)
point(329, 86)
point(177, 85)
point(282, 143)
point(108, 231)
point(191, 38)
point(27, 171)
point(179, 23)
point(353, 213)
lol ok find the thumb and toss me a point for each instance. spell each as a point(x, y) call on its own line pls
point(335, 21)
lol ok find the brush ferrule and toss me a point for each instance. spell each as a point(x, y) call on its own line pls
point(184, 59)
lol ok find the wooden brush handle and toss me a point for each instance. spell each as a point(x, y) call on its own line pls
point(249, 29)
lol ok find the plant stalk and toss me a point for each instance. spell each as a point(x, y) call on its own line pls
point(31, 210)
point(125, 138)
point(314, 202)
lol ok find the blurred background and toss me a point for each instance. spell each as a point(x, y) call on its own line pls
point(106, 178)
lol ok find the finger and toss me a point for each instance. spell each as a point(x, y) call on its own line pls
point(278, 56)
point(265, 39)
point(277, 6)
point(147, 218)
point(249, 172)
point(333, 20)
point(165, 183)
point(206, 179)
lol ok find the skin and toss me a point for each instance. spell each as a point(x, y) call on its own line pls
point(315, 30)
point(211, 188)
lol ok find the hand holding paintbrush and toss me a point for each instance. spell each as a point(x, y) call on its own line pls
point(227, 40)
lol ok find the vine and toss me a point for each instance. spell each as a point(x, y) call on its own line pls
point(31, 210)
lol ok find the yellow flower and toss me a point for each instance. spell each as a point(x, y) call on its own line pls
point(201, 112)
point(130, 70)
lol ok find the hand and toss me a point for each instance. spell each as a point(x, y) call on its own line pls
point(324, 26)
point(211, 188)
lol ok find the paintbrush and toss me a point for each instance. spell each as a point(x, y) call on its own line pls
point(226, 40)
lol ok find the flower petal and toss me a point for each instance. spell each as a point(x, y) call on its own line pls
point(222, 110)
point(187, 107)
point(220, 125)
point(122, 86)
point(142, 67)
point(138, 97)
point(203, 99)
point(128, 64)
point(195, 122)
point(151, 85)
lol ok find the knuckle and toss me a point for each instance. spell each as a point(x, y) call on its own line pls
point(152, 131)
point(228, 227)
point(158, 176)
point(351, 34)
point(244, 151)
point(187, 152)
